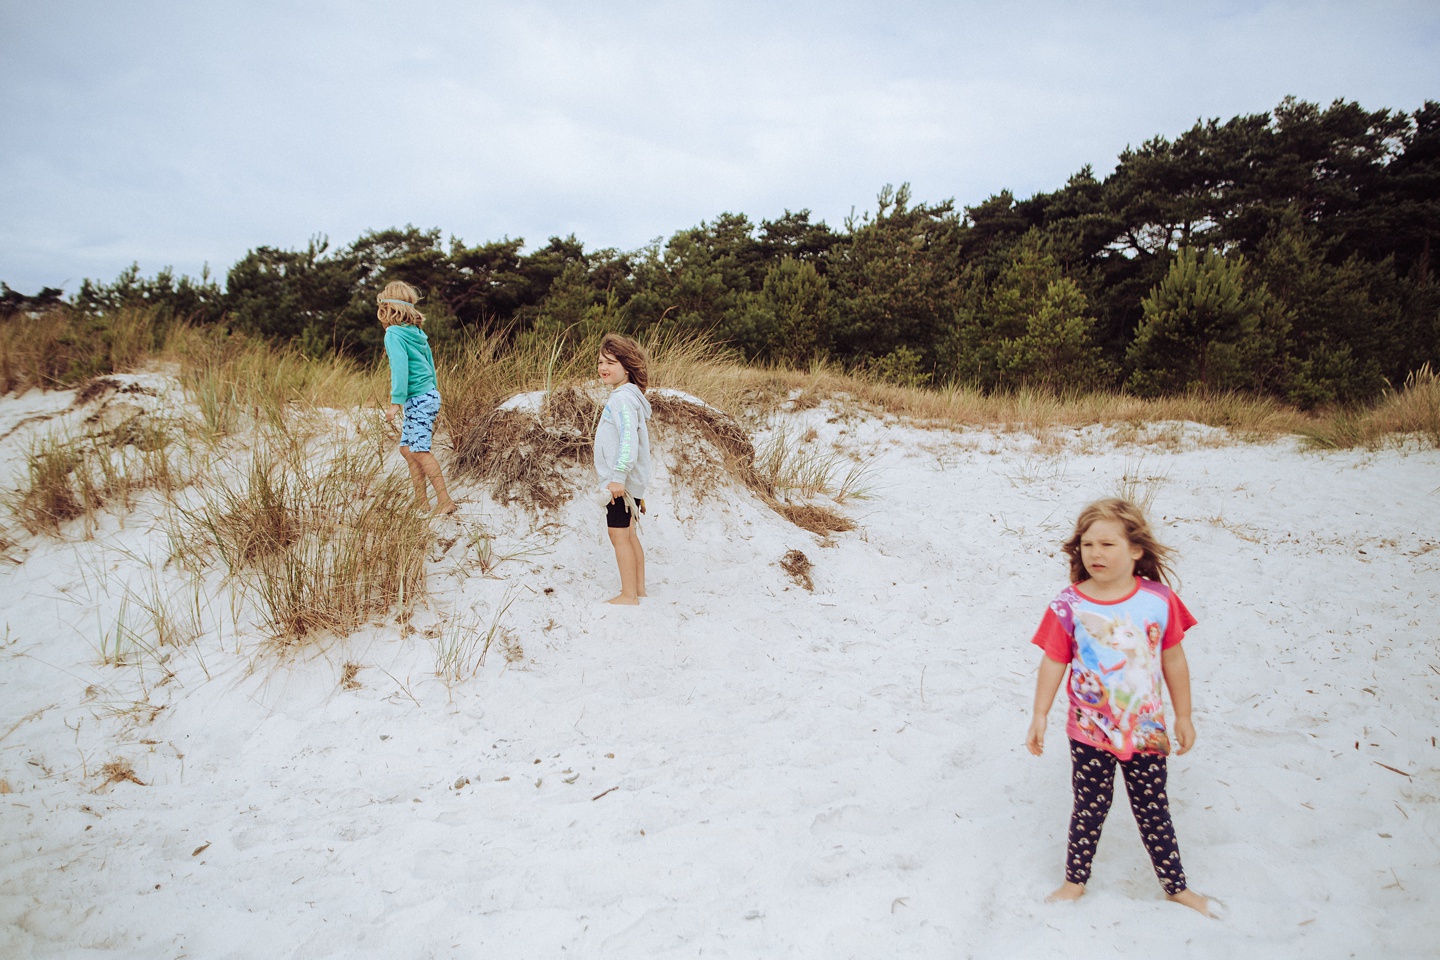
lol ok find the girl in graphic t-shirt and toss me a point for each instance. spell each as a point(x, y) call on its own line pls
point(1118, 635)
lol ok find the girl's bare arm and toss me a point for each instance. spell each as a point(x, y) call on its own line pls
point(1047, 682)
point(1177, 680)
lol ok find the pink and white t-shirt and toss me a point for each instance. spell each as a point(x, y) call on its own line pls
point(1113, 648)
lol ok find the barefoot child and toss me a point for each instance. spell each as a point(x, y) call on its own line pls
point(622, 456)
point(1119, 635)
point(412, 390)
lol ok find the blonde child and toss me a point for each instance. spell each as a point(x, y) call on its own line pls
point(412, 390)
point(622, 457)
point(1119, 635)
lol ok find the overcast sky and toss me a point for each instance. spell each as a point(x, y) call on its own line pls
point(185, 133)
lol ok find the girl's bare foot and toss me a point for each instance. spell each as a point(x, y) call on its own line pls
point(1193, 900)
point(624, 601)
point(444, 509)
point(1066, 892)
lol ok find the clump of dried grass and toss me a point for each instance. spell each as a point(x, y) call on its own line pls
point(706, 446)
point(709, 446)
point(526, 456)
point(255, 521)
point(323, 544)
point(119, 771)
point(816, 518)
point(152, 624)
point(800, 467)
point(77, 477)
point(798, 566)
point(51, 493)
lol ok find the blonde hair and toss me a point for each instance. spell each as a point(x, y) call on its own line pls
point(630, 355)
point(392, 312)
point(1154, 562)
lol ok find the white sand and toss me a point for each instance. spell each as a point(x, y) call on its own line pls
point(742, 768)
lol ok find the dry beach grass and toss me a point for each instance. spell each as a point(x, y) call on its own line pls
point(229, 375)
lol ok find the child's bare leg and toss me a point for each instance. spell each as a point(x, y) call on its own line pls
point(625, 544)
point(431, 471)
point(1193, 900)
point(1067, 891)
point(639, 563)
point(417, 475)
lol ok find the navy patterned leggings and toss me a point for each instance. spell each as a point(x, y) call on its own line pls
point(1094, 783)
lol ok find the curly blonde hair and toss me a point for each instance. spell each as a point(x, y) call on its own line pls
point(396, 304)
point(1154, 562)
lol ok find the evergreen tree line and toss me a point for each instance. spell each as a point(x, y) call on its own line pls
point(1285, 253)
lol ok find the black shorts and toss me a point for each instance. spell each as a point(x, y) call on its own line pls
point(617, 514)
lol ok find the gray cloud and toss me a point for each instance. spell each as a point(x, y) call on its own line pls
point(181, 134)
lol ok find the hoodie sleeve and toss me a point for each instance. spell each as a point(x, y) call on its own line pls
point(399, 366)
point(629, 427)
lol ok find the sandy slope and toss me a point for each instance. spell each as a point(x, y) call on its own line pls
point(741, 767)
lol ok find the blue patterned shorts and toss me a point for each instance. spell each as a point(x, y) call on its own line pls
point(419, 427)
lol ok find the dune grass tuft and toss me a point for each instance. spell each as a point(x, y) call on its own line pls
point(462, 645)
point(76, 477)
point(323, 543)
point(798, 466)
point(1411, 411)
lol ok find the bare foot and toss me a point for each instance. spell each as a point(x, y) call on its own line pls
point(1067, 892)
point(624, 601)
point(444, 509)
point(1193, 900)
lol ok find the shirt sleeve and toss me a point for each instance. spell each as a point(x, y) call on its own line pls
point(629, 427)
point(399, 368)
point(1052, 637)
point(1179, 621)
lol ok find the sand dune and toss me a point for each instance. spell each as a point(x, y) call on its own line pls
point(741, 767)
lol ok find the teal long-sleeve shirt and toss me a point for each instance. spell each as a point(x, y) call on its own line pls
point(412, 365)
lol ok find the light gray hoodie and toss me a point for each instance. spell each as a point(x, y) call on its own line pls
point(622, 440)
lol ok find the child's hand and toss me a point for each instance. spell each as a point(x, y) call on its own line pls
point(1184, 734)
point(617, 490)
point(1035, 739)
point(392, 412)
